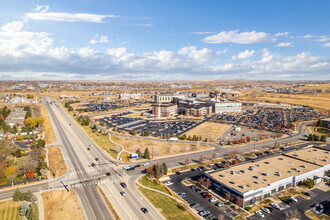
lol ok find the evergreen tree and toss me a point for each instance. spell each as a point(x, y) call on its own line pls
point(33, 212)
point(316, 138)
point(23, 209)
point(18, 196)
point(138, 152)
point(157, 171)
point(146, 154)
point(323, 138)
point(165, 168)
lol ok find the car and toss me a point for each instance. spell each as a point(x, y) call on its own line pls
point(145, 164)
point(204, 212)
point(193, 187)
point(213, 200)
point(260, 214)
point(97, 159)
point(177, 172)
point(275, 206)
point(193, 169)
point(131, 168)
point(168, 183)
point(266, 210)
point(198, 190)
point(126, 167)
point(206, 195)
point(287, 201)
point(137, 165)
point(194, 204)
point(293, 199)
point(306, 194)
point(108, 174)
point(219, 204)
point(182, 194)
point(123, 184)
point(123, 193)
point(207, 216)
point(144, 210)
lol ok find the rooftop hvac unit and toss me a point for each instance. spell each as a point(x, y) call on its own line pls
point(242, 186)
point(232, 172)
point(265, 174)
point(257, 176)
point(221, 175)
point(243, 171)
point(232, 182)
point(256, 182)
point(267, 162)
point(281, 158)
point(325, 160)
point(303, 166)
point(278, 173)
point(252, 168)
point(258, 165)
point(289, 171)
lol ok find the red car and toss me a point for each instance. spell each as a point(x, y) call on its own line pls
point(206, 195)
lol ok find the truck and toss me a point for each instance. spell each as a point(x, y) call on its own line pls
point(173, 139)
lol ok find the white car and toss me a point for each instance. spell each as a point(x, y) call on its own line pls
point(168, 183)
point(260, 214)
point(213, 199)
point(146, 164)
point(265, 210)
point(275, 206)
point(126, 167)
point(219, 204)
point(293, 199)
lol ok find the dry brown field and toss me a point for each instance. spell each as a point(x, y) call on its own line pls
point(209, 130)
point(55, 155)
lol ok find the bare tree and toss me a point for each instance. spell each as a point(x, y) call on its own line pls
point(187, 161)
point(214, 155)
point(12, 178)
point(201, 159)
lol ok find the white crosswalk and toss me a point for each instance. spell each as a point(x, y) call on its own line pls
point(86, 171)
point(100, 182)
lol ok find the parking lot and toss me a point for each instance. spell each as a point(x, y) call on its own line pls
point(155, 128)
point(302, 206)
point(194, 195)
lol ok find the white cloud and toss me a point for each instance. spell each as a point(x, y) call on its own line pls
point(97, 39)
point(68, 17)
point(244, 55)
point(32, 55)
point(324, 39)
point(307, 36)
point(326, 45)
point(285, 44)
point(143, 25)
point(281, 34)
point(41, 8)
point(238, 38)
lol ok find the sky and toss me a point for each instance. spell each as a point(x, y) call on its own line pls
point(164, 40)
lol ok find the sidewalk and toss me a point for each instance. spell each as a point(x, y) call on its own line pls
point(41, 206)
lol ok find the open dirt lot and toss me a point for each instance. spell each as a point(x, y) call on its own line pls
point(55, 155)
point(209, 130)
point(10, 210)
point(320, 101)
point(61, 205)
point(159, 148)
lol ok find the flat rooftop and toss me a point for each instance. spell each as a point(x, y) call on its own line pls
point(313, 155)
point(252, 176)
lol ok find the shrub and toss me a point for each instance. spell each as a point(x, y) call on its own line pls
point(309, 183)
point(18, 196)
point(267, 201)
point(248, 208)
point(23, 209)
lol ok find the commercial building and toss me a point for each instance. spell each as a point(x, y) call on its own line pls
point(326, 122)
point(250, 182)
point(192, 107)
point(163, 98)
point(225, 107)
point(124, 96)
point(164, 110)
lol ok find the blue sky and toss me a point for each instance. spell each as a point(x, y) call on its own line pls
point(165, 40)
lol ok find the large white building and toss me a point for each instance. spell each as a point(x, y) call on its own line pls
point(225, 107)
point(248, 183)
point(163, 98)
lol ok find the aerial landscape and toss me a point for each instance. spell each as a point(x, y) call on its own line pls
point(165, 110)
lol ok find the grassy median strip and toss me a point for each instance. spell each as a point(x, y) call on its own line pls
point(169, 208)
point(10, 210)
point(49, 132)
point(102, 141)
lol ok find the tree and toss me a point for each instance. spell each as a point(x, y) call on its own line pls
point(165, 168)
point(33, 212)
point(214, 155)
point(158, 173)
point(12, 178)
point(207, 183)
point(138, 152)
point(146, 154)
point(323, 138)
point(309, 183)
point(187, 161)
point(17, 196)
point(30, 174)
point(319, 123)
point(28, 195)
point(23, 209)
point(150, 171)
point(201, 159)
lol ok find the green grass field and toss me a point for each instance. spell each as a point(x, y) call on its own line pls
point(169, 208)
point(10, 210)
